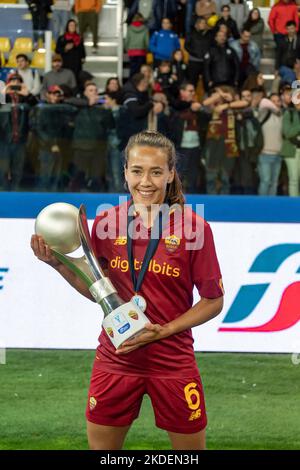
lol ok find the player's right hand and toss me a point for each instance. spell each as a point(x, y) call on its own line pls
point(43, 252)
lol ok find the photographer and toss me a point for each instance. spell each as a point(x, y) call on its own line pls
point(13, 130)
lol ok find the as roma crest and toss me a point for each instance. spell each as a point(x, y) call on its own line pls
point(172, 243)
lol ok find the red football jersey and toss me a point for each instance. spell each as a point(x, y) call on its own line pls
point(185, 257)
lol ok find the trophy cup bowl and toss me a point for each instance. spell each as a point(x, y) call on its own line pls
point(64, 228)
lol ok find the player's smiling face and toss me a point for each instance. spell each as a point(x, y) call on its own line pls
point(147, 174)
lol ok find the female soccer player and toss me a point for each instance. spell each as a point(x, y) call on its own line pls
point(160, 273)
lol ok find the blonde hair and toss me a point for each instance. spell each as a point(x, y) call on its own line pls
point(174, 194)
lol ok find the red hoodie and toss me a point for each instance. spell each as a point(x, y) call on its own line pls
point(280, 14)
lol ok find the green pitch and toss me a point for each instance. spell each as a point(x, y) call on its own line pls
point(253, 402)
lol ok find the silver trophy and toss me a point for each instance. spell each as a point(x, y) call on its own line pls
point(64, 228)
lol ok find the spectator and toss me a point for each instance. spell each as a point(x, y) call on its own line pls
point(164, 9)
point(148, 73)
point(250, 141)
point(288, 53)
point(30, 77)
point(253, 81)
point(220, 4)
point(197, 44)
point(258, 94)
point(269, 161)
point(87, 12)
point(14, 125)
point(205, 8)
point(136, 43)
point(239, 12)
point(256, 25)
point(164, 42)
point(186, 126)
point(52, 124)
point(221, 64)
point(221, 147)
point(58, 76)
point(146, 9)
point(189, 12)
point(248, 54)
point(92, 126)
point(61, 12)
point(113, 86)
point(39, 10)
point(71, 48)
point(280, 14)
point(165, 81)
point(178, 66)
point(114, 159)
point(286, 97)
point(136, 105)
point(291, 145)
point(224, 28)
point(230, 23)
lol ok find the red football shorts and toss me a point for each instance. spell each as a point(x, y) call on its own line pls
point(178, 403)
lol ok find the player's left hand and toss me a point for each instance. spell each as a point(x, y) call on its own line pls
point(154, 332)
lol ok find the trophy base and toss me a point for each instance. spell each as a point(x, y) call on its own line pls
point(124, 323)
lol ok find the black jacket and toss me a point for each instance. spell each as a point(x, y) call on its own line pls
point(221, 66)
point(133, 113)
point(53, 124)
point(198, 43)
point(231, 24)
point(72, 59)
point(288, 52)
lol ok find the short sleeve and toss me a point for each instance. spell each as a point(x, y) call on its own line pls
point(98, 244)
point(206, 274)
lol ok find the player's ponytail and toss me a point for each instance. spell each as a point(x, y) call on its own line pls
point(174, 194)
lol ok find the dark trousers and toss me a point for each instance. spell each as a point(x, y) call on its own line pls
point(50, 170)
point(39, 21)
point(12, 157)
point(89, 19)
point(194, 69)
point(190, 168)
point(136, 63)
point(89, 169)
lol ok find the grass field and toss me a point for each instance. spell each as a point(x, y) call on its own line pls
point(253, 402)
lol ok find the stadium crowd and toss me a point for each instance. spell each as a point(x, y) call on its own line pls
point(194, 76)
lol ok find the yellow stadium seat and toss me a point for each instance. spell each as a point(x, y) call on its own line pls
point(12, 59)
point(23, 45)
point(38, 60)
point(149, 58)
point(184, 52)
point(4, 45)
point(2, 59)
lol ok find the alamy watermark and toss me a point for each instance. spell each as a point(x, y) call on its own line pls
point(177, 221)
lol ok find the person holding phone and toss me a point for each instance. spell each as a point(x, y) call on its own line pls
point(14, 125)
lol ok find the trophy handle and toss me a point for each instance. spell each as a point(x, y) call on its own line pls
point(75, 265)
point(86, 243)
